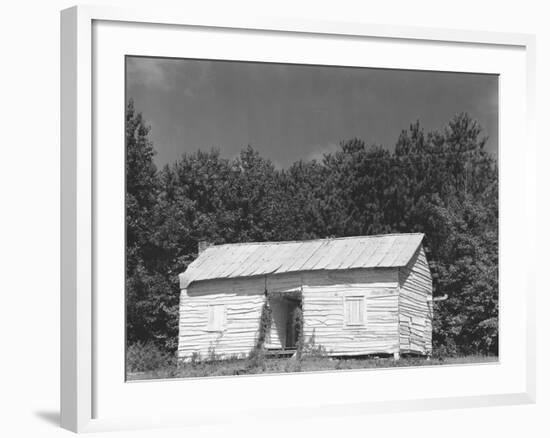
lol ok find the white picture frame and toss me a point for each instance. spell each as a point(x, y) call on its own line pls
point(83, 370)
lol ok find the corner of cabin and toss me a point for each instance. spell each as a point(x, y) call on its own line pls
point(415, 313)
point(183, 281)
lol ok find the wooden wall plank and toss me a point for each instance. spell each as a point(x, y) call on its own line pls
point(415, 317)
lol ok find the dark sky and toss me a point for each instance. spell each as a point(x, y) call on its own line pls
point(288, 112)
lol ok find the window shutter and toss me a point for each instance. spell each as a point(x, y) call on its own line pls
point(354, 310)
point(216, 317)
point(210, 317)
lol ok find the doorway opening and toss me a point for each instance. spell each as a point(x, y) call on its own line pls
point(286, 320)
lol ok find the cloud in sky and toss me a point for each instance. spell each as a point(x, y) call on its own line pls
point(164, 75)
point(146, 73)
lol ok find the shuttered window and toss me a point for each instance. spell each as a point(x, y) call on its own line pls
point(216, 317)
point(354, 310)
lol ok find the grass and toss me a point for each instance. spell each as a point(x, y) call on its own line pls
point(235, 367)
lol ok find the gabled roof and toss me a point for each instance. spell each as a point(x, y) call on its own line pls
point(263, 258)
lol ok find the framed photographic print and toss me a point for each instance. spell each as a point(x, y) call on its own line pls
point(291, 207)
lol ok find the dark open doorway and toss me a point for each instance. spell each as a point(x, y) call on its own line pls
point(294, 320)
point(286, 314)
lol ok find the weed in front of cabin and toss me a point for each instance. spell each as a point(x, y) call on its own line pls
point(146, 361)
point(234, 366)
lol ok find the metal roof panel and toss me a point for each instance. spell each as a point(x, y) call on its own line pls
point(263, 258)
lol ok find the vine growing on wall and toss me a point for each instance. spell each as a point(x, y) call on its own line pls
point(258, 352)
point(299, 328)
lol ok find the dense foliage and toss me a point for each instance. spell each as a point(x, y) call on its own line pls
point(443, 184)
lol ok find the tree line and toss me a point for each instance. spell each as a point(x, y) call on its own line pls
point(441, 183)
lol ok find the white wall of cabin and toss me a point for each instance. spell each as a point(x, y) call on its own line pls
point(323, 295)
point(415, 308)
point(323, 310)
point(243, 300)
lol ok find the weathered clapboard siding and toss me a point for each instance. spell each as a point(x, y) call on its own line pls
point(323, 310)
point(323, 306)
point(415, 326)
point(243, 300)
point(375, 277)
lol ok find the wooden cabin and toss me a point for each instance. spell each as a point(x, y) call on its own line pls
point(357, 296)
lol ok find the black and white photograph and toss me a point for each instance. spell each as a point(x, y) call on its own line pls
point(302, 218)
point(288, 218)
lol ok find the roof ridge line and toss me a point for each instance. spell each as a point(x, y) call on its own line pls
point(325, 239)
